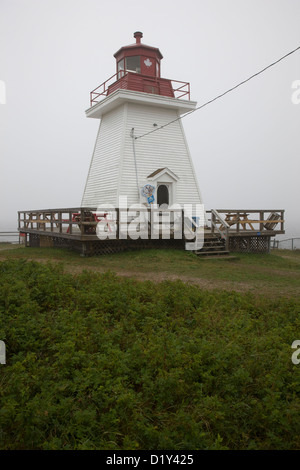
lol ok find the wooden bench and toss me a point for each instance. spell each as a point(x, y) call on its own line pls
point(273, 219)
point(38, 221)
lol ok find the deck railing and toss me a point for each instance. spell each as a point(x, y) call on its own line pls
point(91, 223)
point(219, 224)
point(247, 221)
point(86, 223)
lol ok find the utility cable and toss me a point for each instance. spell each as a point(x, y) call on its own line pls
point(134, 155)
point(219, 96)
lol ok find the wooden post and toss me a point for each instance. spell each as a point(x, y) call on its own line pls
point(70, 223)
point(261, 217)
point(81, 224)
point(59, 221)
point(238, 222)
point(83, 250)
point(149, 222)
point(117, 223)
point(227, 241)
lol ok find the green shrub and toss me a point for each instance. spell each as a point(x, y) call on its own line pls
point(99, 362)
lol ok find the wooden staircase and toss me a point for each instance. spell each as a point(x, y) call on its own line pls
point(213, 246)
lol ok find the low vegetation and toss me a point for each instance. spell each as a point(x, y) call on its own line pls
point(100, 361)
point(274, 275)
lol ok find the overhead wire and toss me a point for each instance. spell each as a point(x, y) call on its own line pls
point(221, 95)
point(135, 161)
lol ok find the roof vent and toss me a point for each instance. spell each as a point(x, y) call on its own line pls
point(138, 36)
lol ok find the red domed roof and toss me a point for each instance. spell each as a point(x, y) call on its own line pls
point(138, 48)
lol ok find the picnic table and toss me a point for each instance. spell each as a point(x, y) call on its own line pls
point(90, 217)
point(239, 217)
point(38, 219)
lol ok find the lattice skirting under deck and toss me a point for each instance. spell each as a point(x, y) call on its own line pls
point(258, 244)
point(100, 247)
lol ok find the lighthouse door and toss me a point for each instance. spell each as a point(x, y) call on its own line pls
point(162, 194)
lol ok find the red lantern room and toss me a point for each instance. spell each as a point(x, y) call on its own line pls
point(138, 69)
point(139, 58)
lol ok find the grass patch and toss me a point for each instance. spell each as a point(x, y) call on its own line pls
point(276, 274)
point(97, 361)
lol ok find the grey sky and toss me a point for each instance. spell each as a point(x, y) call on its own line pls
point(245, 146)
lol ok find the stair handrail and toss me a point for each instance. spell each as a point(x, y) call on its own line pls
point(195, 229)
point(215, 215)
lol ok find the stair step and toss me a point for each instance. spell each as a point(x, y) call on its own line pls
point(211, 253)
point(213, 238)
point(208, 245)
point(213, 248)
point(219, 257)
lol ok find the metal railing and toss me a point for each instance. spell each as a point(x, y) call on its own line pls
point(180, 89)
point(10, 237)
point(101, 90)
point(286, 244)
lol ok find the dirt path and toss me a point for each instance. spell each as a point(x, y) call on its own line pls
point(255, 287)
point(152, 276)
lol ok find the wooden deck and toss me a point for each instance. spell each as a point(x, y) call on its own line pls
point(241, 230)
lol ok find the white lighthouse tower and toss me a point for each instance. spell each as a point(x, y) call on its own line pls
point(136, 155)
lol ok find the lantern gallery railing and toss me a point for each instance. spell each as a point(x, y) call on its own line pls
point(101, 91)
point(183, 89)
point(119, 81)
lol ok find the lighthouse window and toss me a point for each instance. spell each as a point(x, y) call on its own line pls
point(133, 64)
point(157, 69)
point(121, 68)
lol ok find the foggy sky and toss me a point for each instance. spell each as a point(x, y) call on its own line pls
point(245, 146)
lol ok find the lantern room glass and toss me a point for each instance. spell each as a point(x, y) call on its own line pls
point(121, 68)
point(133, 63)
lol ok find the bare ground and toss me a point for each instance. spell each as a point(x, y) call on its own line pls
point(204, 283)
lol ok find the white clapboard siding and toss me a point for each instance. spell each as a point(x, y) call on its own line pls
point(103, 176)
point(112, 171)
point(165, 147)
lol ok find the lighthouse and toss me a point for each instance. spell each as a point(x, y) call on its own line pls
point(141, 189)
point(141, 152)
